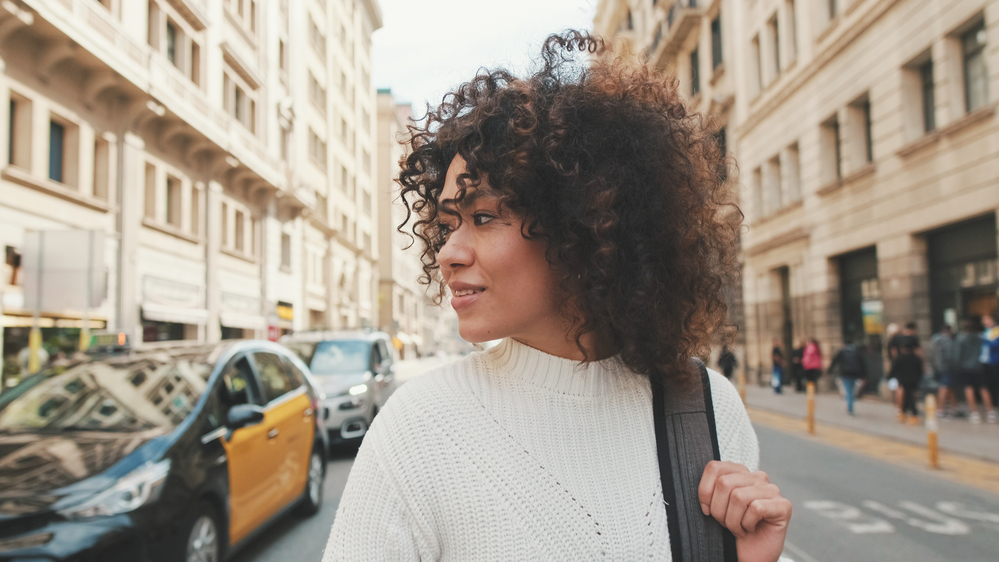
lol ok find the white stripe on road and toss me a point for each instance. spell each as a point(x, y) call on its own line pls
point(801, 554)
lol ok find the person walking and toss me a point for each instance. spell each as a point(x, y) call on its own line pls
point(990, 360)
point(971, 374)
point(942, 360)
point(727, 361)
point(811, 360)
point(577, 215)
point(851, 369)
point(777, 376)
point(906, 336)
point(907, 369)
point(797, 371)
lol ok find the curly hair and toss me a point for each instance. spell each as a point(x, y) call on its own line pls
point(603, 160)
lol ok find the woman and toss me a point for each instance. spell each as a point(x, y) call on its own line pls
point(579, 215)
point(811, 360)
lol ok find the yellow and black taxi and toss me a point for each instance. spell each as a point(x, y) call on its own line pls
point(158, 455)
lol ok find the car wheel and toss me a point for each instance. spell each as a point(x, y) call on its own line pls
point(203, 539)
point(312, 500)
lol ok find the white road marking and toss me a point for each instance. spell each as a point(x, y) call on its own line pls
point(939, 523)
point(795, 550)
point(857, 521)
point(965, 512)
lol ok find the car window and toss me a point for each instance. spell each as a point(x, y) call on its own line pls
point(237, 385)
point(275, 378)
point(295, 372)
point(341, 357)
point(386, 354)
point(376, 358)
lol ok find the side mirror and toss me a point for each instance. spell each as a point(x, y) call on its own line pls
point(244, 415)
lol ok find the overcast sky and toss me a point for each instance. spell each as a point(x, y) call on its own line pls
point(428, 46)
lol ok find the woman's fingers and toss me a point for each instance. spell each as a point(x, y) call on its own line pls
point(709, 480)
point(775, 510)
point(740, 513)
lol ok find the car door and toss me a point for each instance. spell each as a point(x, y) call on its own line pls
point(289, 413)
point(249, 453)
point(384, 371)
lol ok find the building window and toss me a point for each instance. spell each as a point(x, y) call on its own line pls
point(774, 30)
point(976, 76)
point(774, 195)
point(792, 174)
point(240, 237)
point(150, 199)
point(695, 73)
point(831, 156)
point(173, 201)
point(225, 225)
point(716, 43)
point(317, 94)
point(171, 42)
point(792, 28)
point(19, 132)
point(861, 129)
point(757, 194)
point(317, 39)
point(317, 149)
point(758, 74)
point(195, 210)
point(285, 250)
point(102, 168)
point(239, 101)
point(57, 149)
point(195, 67)
point(928, 97)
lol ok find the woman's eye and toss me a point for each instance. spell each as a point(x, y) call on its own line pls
point(481, 218)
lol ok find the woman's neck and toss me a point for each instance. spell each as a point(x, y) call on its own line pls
point(596, 346)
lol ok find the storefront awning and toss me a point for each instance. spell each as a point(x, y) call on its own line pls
point(245, 321)
point(161, 313)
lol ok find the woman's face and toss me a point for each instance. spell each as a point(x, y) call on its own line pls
point(500, 283)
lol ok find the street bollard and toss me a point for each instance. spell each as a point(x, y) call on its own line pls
point(810, 397)
point(931, 430)
point(741, 384)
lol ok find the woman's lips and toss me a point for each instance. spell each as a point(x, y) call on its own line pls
point(466, 299)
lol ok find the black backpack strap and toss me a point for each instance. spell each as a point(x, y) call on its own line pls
point(686, 441)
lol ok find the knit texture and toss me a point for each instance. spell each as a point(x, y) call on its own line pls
point(514, 454)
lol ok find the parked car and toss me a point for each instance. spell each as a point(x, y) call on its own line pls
point(355, 370)
point(160, 456)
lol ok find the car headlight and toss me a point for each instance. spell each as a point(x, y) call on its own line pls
point(358, 390)
point(137, 488)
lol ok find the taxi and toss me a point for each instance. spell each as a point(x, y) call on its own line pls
point(168, 455)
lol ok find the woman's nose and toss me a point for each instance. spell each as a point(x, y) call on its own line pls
point(456, 252)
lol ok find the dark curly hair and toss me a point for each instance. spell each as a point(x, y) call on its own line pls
point(603, 160)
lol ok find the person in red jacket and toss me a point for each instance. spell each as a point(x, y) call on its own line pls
point(811, 361)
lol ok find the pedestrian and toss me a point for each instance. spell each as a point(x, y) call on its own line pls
point(811, 360)
point(851, 369)
point(576, 214)
point(942, 360)
point(901, 338)
point(907, 369)
point(777, 376)
point(990, 360)
point(797, 371)
point(967, 358)
point(727, 361)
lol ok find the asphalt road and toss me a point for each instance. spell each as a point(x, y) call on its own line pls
point(847, 507)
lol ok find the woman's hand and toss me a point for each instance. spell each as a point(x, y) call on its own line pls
point(747, 504)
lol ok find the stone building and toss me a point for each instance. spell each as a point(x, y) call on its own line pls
point(867, 143)
point(224, 148)
point(869, 151)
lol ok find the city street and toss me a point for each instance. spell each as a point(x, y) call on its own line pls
point(847, 506)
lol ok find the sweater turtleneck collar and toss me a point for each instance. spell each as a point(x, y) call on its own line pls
point(514, 360)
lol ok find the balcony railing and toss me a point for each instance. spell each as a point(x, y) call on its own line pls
point(682, 17)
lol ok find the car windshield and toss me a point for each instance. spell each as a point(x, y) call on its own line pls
point(338, 357)
point(132, 392)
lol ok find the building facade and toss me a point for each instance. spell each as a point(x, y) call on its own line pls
point(225, 154)
point(868, 148)
point(870, 156)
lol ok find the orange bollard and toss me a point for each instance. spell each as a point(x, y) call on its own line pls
point(931, 431)
point(810, 398)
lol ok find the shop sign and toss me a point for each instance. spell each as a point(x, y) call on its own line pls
point(873, 311)
point(285, 311)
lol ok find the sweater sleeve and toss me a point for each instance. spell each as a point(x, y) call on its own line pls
point(372, 521)
point(737, 440)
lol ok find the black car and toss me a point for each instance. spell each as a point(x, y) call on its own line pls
point(160, 455)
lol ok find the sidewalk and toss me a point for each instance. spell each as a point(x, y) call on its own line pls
point(879, 419)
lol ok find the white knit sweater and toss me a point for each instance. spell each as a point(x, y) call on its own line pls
point(514, 454)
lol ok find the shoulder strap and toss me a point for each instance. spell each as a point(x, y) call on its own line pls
point(686, 441)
